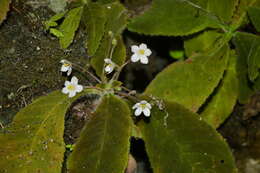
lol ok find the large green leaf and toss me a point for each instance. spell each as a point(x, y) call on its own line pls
point(104, 142)
point(221, 104)
point(248, 49)
point(4, 7)
point(69, 26)
point(33, 142)
point(185, 144)
point(182, 17)
point(190, 82)
point(202, 42)
point(116, 22)
point(254, 13)
point(94, 18)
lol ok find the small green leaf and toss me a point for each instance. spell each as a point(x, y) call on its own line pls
point(103, 146)
point(201, 43)
point(182, 17)
point(52, 21)
point(177, 54)
point(192, 81)
point(4, 8)
point(248, 50)
point(186, 145)
point(33, 142)
point(94, 18)
point(254, 13)
point(222, 103)
point(56, 32)
point(69, 26)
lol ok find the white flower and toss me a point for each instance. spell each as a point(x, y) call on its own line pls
point(144, 107)
point(72, 87)
point(66, 66)
point(109, 65)
point(141, 53)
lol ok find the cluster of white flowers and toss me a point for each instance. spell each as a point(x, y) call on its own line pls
point(140, 53)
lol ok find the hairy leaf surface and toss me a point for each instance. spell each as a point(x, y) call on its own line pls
point(254, 13)
point(222, 103)
point(34, 140)
point(248, 49)
point(103, 145)
point(190, 82)
point(201, 43)
point(182, 17)
point(94, 18)
point(186, 144)
point(4, 8)
point(69, 26)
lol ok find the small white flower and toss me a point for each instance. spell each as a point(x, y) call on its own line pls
point(144, 107)
point(72, 87)
point(66, 66)
point(141, 53)
point(109, 65)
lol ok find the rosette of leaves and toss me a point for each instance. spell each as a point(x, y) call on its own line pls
point(198, 94)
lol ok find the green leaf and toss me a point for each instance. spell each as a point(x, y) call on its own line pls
point(4, 8)
point(117, 20)
point(177, 54)
point(33, 142)
point(56, 32)
point(240, 15)
point(104, 143)
point(52, 21)
point(254, 13)
point(182, 17)
point(69, 26)
point(94, 18)
point(222, 103)
point(201, 43)
point(186, 145)
point(248, 50)
point(190, 82)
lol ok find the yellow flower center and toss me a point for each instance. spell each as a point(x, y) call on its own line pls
point(143, 105)
point(71, 87)
point(66, 65)
point(141, 51)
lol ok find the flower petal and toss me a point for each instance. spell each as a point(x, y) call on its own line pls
point(65, 90)
point(148, 105)
point(135, 58)
point(136, 106)
point(144, 60)
point(67, 83)
point(74, 80)
point(79, 88)
point(72, 93)
point(147, 52)
point(108, 69)
point(64, 68)
point(134, 48)
point(107, 60)
point(143, 46)
point(138, 111)
point(69, 71)
point(147, 112)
